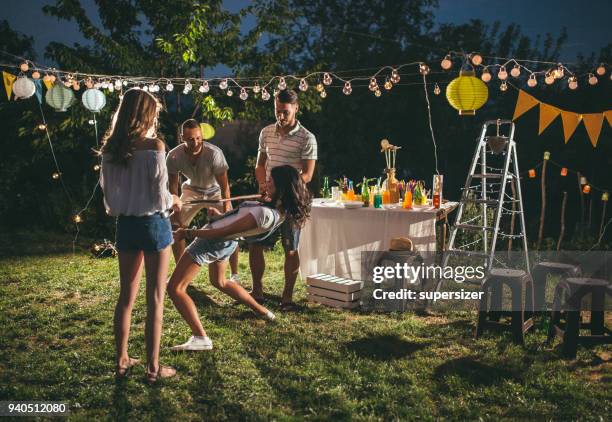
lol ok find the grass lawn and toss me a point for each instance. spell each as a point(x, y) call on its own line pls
point(56, 312)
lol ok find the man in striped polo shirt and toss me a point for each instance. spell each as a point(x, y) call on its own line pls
point(286, 142)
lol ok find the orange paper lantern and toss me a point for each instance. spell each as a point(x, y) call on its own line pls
point(532, 173)
point(564, 171)
point(586, 189)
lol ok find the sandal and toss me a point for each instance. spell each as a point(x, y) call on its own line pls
point(162, 372)
point(123, 371)
point(289, 307)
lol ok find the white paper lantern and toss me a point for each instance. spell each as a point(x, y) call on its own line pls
point(94, 100)
point(24, 88)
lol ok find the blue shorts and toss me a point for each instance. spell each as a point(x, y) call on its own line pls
point(289, 235)
point(205, 251)
point(149, 233)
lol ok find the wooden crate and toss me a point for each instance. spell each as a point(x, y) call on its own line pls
point(331, 282)
point(333, 302)
point(332, 294)
point(333, 291)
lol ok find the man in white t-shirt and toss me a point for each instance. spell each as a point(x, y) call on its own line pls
point(286, 142)
point(205, 168)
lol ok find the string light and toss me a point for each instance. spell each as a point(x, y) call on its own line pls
point(169, 87)
point(564, 171)
point(256, 88)
point(204, 88)
point(282, 85)
point(55, 176)
point(424, 69)
point(347, 88)
point(229, 92)
point(601, 70)
point(502, 74)
point(586, 189)
point(24, 67)
point(395, 77)
point(446, 63)
point(476, 59)
point(146, 88)
point(320, 87)
point(486, 75)
point(96, 167)
point(593, 79)
point(188, 87)
point(223, 84)
point(437, 89)
point(572, 82)
point(373, 86)
point(549, 79)
point(77, 219)
point(377, 92)
point(323, 93)
point(327, 79)
point(36, 74)
point(558, 72)
point(516, 71)
point(532, 81)
point(303, 85)
point(41, 126)
point(388, 85)
point(503, 87)
point(265, 95)
point(243, 94)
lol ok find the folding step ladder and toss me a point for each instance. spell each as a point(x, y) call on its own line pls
point(487, 187)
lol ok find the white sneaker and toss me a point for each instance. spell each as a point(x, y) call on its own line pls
point(195, 343)
point(235, 278)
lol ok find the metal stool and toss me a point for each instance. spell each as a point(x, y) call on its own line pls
point(540, 274)
point(520, 283)
point(567, 306)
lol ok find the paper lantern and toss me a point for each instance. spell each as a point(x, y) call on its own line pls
point(532, 173)
point(564, 171)
point(605, 196)
point(467, 93)
point(586, 188)
point(94, 100)
point(23, 88)
point(207, 131)
point(59, 97)
point(546, 155)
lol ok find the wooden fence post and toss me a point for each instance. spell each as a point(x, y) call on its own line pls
point(543, 210)
point(603, 216)
point(581, 200)
point(562, 231)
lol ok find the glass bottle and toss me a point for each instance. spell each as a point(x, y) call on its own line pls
point(365, 194)
point(325, 193)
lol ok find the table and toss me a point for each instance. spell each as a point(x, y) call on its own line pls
point(333, 239)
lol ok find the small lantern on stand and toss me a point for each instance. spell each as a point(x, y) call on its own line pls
point(436, 192)
point(390, 183)
point(106, 249)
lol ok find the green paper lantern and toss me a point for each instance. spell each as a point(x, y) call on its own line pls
point(94, 100)
point(207, 131)
point(59, 97)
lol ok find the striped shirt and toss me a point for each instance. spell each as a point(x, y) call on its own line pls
point(290, 149)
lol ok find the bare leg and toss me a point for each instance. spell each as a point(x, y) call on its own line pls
point(234, 261)
point(130, 271)
point(178, 248)
point(258, 265)
point(184, 273)
point(156, 266)
point(292, 266)
point(216, 271)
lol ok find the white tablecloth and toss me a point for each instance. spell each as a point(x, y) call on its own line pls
point(334, 237)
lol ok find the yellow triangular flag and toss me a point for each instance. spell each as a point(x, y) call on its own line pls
point(524, 103)
point(548, 113)
point(570, 123)
point(48, 84)
point(8, 83)
point(592, 123)
point(608, 115)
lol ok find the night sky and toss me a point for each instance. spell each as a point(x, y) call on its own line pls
point(587, 23)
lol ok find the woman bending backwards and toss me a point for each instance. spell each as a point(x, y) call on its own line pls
point(215, 243)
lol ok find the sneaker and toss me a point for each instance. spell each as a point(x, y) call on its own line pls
point(235, 278)
point(269, 316)
point(195, 343)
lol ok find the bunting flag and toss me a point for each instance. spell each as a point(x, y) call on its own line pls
point(38, 84)
point(48, 84)
point(8, 83)
point(592, 123)
point(570, 123)
point(548, 113)
point(524, 103)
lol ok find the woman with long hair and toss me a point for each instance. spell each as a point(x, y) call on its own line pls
point(134, 181)
point(214, 244)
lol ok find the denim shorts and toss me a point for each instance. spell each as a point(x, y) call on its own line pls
point(205, 251)
point(289, 235)
point(149, 233)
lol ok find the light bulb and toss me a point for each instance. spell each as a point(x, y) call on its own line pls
point(76, 86)
point(572, 82)
point(437, 89)
point(502, 74)
point(256, 88)
point(204, 87)
point(47, 78)
point(347, 88)
point(516, 71)
point(282, 84)
point(169, 87)
point(41, 126)
point(111, 88)
point(320, 87)
point(104, 85)
point(503, 87)
point(446, 62)
point(532, 81)
point(243, 94)
point(388, 85)
point(377, 93)
point(593, 79)
point(373, 86)
point(303, 85)
point(77, 218)
point(265, 95)
point(423, 68)
point(188, 86)
point(146, 88)
point(96, 167)
point(476, 59)
point(486, 75)
point(24, 67)
point(125, 83)
point(52, 78)
point(36, 74)
point(395, 77)
point(558, 72)
point(549, 79)
point(229, 92)
point(601, 69)
point(323, 94)
point(118, 84)
point(223, 84)
point(55, 176)
point(327, 79)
